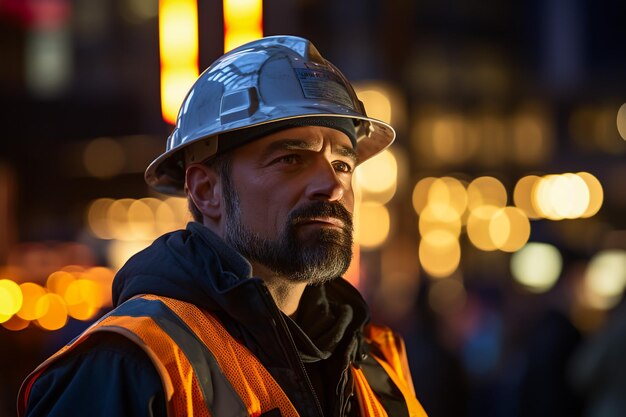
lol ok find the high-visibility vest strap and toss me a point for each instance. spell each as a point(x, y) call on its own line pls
point(256, 387)
point(369, 405)
point(182, 389)
point(393, 359)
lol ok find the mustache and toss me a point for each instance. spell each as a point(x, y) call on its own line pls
point(321, 209)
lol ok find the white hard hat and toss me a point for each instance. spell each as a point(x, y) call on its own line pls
point(267, 81)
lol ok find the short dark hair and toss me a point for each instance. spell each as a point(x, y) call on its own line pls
point(222, 164)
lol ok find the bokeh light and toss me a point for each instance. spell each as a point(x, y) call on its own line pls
point(117, 216)
point(377, 103)
point(141, 218)
point(178, 47)
point(129, 219)
point(378, 177)
point(383, 101)
point(4, 318)
point(444, 204)
point(82, 291)
point(104, 158)
point(439, 253)
point(484, 191)
point(522, 195)
point(446, 218)
point(478, 227)
point(374, 224)
point(605, 279)
point(15, 323)
point(243, 22)
point(165, 218)
point(429, 127)
point(449, 139)
point(32, 293)
point(445, 193)
point(563, 196)
point(566, 196)
point(97, 218)
point(420, 193)
point(120, 251)
point(11, 299)
point(104, 278)
point(509, 229)
point(58, 281)
point(596, 194)
point(83, 299)
point(537, 266)
point(51, 312)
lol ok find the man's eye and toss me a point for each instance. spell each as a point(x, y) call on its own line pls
point(341, 166)
point(288, 159)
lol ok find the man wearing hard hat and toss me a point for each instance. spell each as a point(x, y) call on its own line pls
point(244, 313)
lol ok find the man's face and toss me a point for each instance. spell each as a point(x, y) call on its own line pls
point(289, 203)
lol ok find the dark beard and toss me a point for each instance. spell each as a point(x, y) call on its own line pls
point(325, 253)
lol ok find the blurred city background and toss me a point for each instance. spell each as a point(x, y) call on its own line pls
point(492, 234)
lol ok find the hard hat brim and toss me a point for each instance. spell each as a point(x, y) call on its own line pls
point(166, 173)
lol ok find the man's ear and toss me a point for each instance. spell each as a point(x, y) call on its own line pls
point(205, 189)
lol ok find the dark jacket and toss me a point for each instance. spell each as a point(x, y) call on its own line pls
point(309, 356)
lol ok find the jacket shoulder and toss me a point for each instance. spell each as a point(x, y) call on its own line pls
point(107, 374)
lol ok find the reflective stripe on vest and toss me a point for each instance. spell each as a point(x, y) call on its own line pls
point(395, 364)
point(205, 371)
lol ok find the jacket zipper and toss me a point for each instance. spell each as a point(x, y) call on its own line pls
point(291, 352)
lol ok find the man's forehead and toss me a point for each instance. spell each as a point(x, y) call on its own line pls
point(341, 149)
point(307, 138)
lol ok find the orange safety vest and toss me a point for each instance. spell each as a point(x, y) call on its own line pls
point(222, 376)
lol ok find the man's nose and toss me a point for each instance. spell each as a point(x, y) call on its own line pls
point(325, 184)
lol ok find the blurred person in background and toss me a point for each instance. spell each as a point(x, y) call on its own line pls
point(244, 312)
point(538, 341)
point(598, 368)
point(544, 388)
point(441, 371)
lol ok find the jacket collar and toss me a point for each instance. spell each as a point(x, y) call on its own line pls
point(197, 266)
